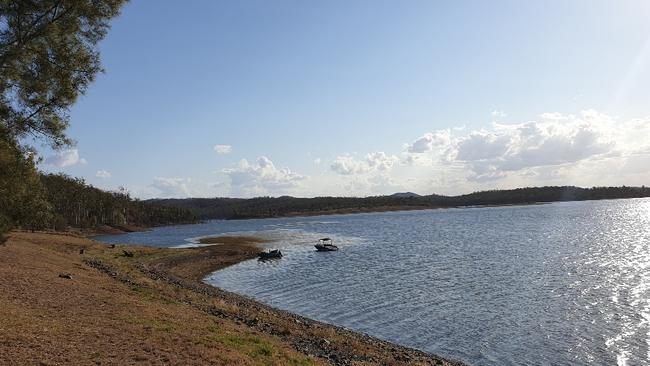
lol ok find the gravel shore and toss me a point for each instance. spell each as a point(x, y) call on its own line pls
point(337, 345)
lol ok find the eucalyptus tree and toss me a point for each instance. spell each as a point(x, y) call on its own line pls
point(22, 196)
point(48, 58)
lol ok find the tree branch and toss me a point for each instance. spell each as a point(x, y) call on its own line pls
point(21, 40)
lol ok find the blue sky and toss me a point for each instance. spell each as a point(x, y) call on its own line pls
point(365, 97)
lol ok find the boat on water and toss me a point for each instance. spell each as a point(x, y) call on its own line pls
point(271, 254)
point(325, 245)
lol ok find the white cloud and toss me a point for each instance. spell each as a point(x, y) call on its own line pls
point(65, 158)
point(261, 177)
point(376, 184)
point(498, 114)
point(104, 174)
point(587, 148)
point(556, 140)
point(380, 161)
point(223, 149)
point(638, 163)
point(371, 175)
point(481, 145)
point(555, 117)
point(374, 161)
point(429, 141)
point(348, 165)
point(171, 187)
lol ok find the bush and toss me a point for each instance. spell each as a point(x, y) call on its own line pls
point(22, 196)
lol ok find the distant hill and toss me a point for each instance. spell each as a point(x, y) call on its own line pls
point(262, 207)
point(405, 194)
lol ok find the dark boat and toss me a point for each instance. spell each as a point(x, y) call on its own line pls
point(325, 245)
point(271, 254)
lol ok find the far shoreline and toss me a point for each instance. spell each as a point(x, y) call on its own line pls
point(346, 212)
point(227, 208)
point(119, 229)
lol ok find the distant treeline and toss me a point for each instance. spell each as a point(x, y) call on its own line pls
point(262, 207)
point(68, 202)
point(74, 203)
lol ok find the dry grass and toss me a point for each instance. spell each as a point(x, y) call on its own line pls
point(96, 319)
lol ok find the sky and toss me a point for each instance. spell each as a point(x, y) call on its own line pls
point(357, 98)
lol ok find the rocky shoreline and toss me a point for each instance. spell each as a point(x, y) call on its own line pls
point(337, 345)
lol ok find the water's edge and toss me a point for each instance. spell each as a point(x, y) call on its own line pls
point(257, 311)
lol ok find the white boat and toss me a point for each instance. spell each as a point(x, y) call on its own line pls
point(325, 245)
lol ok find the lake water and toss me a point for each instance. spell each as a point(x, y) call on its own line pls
point(556, 284)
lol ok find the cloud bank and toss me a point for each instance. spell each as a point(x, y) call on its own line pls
point(65, 158)
point(104, 174)
point(261, 178)
point(554, 141)
point(374, 161)
point(223, 149)
point(587, 149)
point(171, 187)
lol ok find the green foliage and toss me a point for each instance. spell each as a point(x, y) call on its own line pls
point(48, 57)
point(33, 201)
point(78, 204)
point(22, 197)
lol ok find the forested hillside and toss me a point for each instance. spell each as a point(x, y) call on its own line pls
point(261, 207)
point(77, 204)
point(62, 202)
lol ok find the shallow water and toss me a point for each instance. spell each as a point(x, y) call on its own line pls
point(556, 284)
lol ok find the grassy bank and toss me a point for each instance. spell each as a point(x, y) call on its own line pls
point(151, 308)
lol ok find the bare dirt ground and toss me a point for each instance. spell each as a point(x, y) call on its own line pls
point(151, 308)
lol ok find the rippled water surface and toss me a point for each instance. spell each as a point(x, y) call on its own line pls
point(556, 284)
